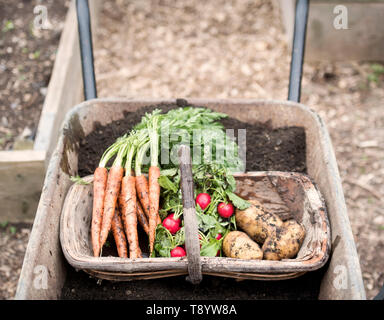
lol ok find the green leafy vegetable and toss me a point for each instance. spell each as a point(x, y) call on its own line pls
point(210, 249)
point(169, 172)
point(167, 184)
point(165, 241)
point(237, 201)
point(78, 180)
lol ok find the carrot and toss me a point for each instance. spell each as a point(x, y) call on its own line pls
point(142, 192)
point(154, 199)
point(153, 176)
point(141, 217)
point(142, 187)
point(115, 176)
point(129, 198)
point(118, 234)
point(99, 184)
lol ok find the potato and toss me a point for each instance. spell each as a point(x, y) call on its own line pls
point(257, 223)
point(237, 244)
point(285, 242)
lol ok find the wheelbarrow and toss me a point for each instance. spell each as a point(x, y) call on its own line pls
point(45, 269)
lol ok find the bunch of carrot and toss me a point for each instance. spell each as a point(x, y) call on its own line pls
point(122, 197)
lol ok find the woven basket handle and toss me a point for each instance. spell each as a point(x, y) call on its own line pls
point(192, 243)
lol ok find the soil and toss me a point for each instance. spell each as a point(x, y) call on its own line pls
point(81, 286)
point(265, 146)
point(27, 55)
point(267, 149)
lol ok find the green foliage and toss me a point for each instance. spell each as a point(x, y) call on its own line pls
point(3, 224)
point(78, 180)
point(165, 241)
point(237, 201)
point(167, 184)
point(8, 26)
point(12, 230)
point(377, 72)
point(209, 248)
point(36, 54)
point(214, 179)
point(169, 172)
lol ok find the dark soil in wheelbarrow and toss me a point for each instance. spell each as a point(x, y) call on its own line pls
point(280, 149)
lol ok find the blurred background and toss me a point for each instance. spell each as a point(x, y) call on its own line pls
point(213, 49)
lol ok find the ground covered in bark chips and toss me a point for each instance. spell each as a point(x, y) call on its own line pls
point(13, 242)
point(268, 149)
point(27, 54)
point(237, 49)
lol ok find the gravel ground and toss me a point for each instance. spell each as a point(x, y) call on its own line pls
point(236, 49)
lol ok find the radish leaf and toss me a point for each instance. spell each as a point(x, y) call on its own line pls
point(167, 184)
point(237, 201)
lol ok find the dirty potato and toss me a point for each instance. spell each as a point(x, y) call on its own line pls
point(285, 242)
point(237, 244)
point(257, 223)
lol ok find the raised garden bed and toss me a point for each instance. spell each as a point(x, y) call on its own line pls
point(360, 19)
point(23, 170)
point(319, 163)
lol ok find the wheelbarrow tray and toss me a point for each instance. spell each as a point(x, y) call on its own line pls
point(44, 249)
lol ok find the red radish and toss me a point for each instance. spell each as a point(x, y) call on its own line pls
point(171, 224)
point(203, 200)
point(178, 252)
point(225, 210)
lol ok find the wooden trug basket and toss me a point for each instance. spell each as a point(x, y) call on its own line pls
point(289, 195)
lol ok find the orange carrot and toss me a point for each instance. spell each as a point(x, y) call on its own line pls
point(142, 189)
point(111, 194)
point(128, 202)
point(141, 217)
point(153, 176)
point(99, 185)
point(154, 199)
point(118, 234)
point(142, 192)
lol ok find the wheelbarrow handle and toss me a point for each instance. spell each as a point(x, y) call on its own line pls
point(86, 50)
point(192, 243)
point(298, 48)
